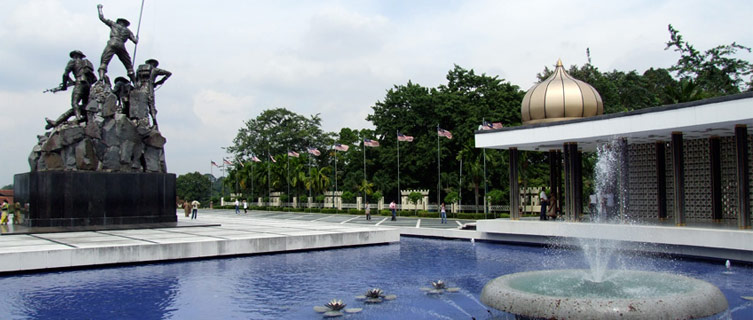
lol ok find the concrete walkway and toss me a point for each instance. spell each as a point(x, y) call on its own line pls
point(254, 233)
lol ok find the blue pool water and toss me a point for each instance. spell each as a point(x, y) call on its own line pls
point(287, 286)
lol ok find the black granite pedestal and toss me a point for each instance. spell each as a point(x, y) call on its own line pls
point(76, 198)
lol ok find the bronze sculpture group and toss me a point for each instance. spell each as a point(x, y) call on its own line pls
point(142, 82)
point(115, 125)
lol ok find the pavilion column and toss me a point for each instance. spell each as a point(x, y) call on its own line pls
point(578, 181)
point(679, 178)
point(743, 182)
point(514, 189)
point(661, 180)
point(624, 178)
point(715, 161)
point(554, 178)
point(573, 181)
point(559, 182)
point(568, 201)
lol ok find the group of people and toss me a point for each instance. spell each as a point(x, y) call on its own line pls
point(548, 206)
point(191, 208)
point(8, 209)
point(393, 210)
point(238, 206)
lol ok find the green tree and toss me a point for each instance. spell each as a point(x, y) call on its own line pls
point(451, 197)
point(459, 106)
point(193, 186)
point(277, 131)
point(413, 198)
point(715, 71)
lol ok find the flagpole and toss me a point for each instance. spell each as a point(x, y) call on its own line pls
point(252, 179)
point(398, 168)
point(333, 195)
point(288, 176)
point(211, 172)
point(460, 184)
point(439, 171)
point(311, 182)
point(138, 30)
point(269, 177)
point(363, 143)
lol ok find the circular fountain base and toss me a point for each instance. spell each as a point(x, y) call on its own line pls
point(566, 294)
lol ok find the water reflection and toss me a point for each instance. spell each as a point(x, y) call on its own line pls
point(287, 286)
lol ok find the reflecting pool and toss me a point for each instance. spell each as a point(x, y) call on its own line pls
point(288, 286)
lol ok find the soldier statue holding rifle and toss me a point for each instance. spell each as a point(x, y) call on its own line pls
point(83, 73)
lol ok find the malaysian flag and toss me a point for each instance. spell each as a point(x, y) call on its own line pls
point(255, 159)
point(273, 159)
point(313, 151)
point(225, 161)
point(491, 126)
point(293, 154)
point(342, 147)
point(370, 143)
point(402, 137)
point(215, 164)
point(444, 133)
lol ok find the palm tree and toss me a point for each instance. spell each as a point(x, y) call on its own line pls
point(365, 188)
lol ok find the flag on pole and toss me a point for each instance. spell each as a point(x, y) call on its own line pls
point(215, 164)
point(444, 133)
point(313, 151)
point(370, 143)
point(402, 137)
point(491, 126)
point(342, 147)
point(293, 154)
point(273, 159)
point(227, 162)
point(255, 159)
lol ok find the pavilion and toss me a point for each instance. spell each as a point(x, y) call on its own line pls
point(687, 162)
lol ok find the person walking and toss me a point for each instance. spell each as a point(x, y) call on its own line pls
point(4, 208)
point(237, 207)
point(245, 207)
point(553, 207)
point(368, 212)
point(187, 208)
point(17, 218)
point(543, 201)
point(393, 208)
point(443, 213)
point(195, 204)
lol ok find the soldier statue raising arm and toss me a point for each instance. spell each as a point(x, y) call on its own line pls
point(119, 34)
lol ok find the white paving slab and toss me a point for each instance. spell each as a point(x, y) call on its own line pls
point(237, 235)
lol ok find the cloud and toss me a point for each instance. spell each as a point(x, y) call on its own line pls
point(232, 59)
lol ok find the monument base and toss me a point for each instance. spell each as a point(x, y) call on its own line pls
point(77, 198)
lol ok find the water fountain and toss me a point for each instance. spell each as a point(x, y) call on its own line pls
point(601, 292)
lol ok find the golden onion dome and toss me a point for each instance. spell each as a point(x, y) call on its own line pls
point(560, 97)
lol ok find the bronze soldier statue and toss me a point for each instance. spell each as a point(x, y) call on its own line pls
point(147, 80)
point(119, 34)
point(122, 89)
point(83, 72)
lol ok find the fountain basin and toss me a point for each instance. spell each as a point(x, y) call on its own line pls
point(567, 294)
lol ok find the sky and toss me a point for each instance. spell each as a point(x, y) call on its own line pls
point(233, 59)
